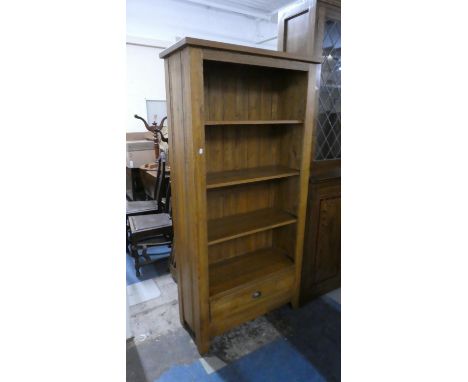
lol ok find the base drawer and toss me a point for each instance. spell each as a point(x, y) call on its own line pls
point(253, 299)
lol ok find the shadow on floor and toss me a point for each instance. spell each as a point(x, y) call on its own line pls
point(314, 331)
point(148, 360)
point(149, 271)
point(285, 345)
point(135, 371)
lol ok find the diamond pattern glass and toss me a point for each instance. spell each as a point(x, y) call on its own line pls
point(328, 144)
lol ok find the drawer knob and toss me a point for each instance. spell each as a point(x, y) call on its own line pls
point(256, 294)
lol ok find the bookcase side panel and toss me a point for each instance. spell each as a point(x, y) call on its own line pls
point(309, 124)
point(184, 92)
point(178, 183)
point(195, 168)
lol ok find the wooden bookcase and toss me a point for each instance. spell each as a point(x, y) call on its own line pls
point(241, 126)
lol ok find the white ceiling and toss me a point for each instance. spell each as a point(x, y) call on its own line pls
point(263, 9)
point(267, 6)
point(166, 21)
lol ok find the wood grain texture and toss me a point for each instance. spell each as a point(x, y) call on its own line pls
point(195, 171)
point(309, 126)
point(185, 95)
point(240, 150)
point(240, 199)
point(232, 148)
point(228, 275)
point(296, 25)
point(240, 246)
point(327, 262)
point(240, 306)
point(253, 292)
point(223, 56)
point(176, 147)
point(223, 323)
point(252, 52)
point(301, 27)
point(252, 94)
point(254, 122)
point(321, 270)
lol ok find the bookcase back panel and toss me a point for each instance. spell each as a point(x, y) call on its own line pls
point(241, 199)
point(245, 92)
point(284, 238)
point(236, 147)
point(286, 197)
point(240, 246)
point(251, 197)
point(291, 143)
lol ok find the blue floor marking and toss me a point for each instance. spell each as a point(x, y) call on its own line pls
point(332, 302)
point(278, 361)
point(148, 271)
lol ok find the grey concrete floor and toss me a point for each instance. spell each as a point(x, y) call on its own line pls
point(158, 337)
point(160, 340)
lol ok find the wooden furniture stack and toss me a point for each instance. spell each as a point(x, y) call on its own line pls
point(313, 29)
point(241, 122)
point(149, 222)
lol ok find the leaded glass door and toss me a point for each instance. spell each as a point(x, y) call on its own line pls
point(327, 137)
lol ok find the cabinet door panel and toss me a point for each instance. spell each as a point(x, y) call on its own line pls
point(329, 239)
point(321, 265)
point(296, 25)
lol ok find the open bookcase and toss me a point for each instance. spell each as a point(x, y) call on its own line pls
point(240, 122)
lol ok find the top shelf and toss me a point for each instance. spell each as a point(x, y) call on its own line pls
point(232, 48)
point(256, 122)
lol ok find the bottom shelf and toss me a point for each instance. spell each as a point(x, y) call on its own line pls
point(227, 275)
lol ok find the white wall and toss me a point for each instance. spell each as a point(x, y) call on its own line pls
point(161, 23)
point(145, 80)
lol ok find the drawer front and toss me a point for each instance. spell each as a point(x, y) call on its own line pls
point(253, 296)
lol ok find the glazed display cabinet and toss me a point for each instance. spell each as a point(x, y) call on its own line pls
point(313, 29)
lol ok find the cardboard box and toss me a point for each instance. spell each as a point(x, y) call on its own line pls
point(140, 136)
point(139, 152)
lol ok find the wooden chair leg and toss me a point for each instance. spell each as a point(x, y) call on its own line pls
point(127, 239)
point(172, 263)
point(137, 260)
point(144, 254)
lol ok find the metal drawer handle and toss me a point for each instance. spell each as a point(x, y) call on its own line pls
point(256, 294)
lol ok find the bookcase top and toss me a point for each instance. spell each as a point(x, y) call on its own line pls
point(195, 42)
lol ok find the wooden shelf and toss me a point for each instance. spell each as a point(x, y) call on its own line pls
point(251, 267)
point(234, 226)
point(256, 122)
point(249, 175)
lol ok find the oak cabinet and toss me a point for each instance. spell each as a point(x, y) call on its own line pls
point(313, 28)
point(240, 122)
